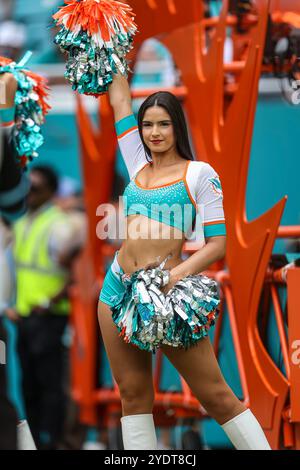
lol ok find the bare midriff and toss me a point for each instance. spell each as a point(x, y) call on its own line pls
point(144, 249)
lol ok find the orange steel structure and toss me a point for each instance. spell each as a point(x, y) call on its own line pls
point(221, 129)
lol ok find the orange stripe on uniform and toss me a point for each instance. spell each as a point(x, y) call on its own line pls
point(127, 132)
point(187, 186)
point(7, 124)
point(215, 222)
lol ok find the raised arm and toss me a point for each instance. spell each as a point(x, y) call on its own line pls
point(129, 140)
point(14, 184)
point(120, 97)
point(8, 88)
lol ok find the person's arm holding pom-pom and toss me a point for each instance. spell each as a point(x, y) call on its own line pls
point(8, 88)
point(14, 184)
point(120, 97)
point(128, 135)
point(23, 101)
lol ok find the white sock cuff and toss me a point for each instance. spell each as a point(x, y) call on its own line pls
point(24, 436)
point(237, 417)
point(246, 433)
point(138, 432)
point(130, 417)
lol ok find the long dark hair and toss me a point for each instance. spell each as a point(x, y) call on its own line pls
point(173, 107)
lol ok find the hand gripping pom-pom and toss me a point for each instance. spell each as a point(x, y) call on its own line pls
point(31, 108)
point(148, 318)
point(96, 35)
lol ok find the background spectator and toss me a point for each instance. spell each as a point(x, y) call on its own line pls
point(12, 33)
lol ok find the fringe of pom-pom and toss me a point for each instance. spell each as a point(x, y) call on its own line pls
point(97, 35)
point(31, 109)
point(146, 318)
point(101, 19)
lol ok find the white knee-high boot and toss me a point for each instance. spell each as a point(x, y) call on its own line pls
point(138, 432)
point(246, 433)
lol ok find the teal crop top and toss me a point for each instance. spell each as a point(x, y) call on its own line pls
point(197, 194)
point(169, 204)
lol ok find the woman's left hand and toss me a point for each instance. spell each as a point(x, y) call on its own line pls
point(173, 280)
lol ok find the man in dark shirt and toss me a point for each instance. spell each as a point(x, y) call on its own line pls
point(14, 186)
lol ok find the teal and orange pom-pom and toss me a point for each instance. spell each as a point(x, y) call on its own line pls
point(97, 36)
point(146, 318)
point(31, 108)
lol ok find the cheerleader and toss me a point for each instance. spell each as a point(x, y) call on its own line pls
point(163, 172)
point(170, 305)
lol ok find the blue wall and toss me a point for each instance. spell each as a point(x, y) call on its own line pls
point(61, 148)
point(275, 164)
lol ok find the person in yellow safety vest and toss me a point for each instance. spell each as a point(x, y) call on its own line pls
point(41, 309)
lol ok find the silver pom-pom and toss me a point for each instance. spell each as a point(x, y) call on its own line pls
point(148, 318)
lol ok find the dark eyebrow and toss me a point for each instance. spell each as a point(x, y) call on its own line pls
point(160, 122)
